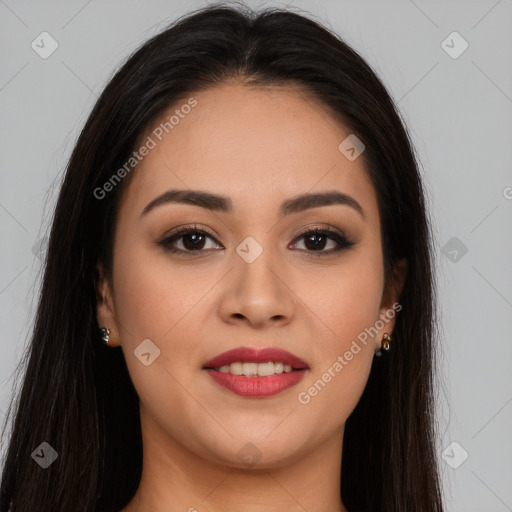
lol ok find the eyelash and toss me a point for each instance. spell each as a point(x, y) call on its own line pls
point(341, 240)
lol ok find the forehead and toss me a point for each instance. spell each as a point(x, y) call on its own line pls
point(259, 143)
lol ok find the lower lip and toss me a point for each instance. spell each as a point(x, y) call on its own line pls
point(257, 386)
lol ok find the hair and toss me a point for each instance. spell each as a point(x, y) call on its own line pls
point(77, 394)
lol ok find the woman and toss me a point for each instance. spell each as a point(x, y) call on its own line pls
point(238, 301)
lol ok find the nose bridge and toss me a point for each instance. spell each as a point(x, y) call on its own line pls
point(258, 291)
point(256, 264)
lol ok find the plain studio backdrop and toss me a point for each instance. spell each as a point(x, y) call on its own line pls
point(447, 65)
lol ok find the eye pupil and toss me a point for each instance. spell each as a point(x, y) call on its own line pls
point(319, 241)
point(197, 238)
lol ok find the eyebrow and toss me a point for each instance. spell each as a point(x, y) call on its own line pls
point(224, 204)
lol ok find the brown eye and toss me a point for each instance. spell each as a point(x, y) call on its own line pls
point(316, 240)
point(191, 240)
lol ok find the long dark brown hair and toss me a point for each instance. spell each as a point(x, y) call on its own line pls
point(77, 394)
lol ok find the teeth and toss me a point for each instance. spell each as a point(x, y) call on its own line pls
point(236, 368)
point(253, 369)
point(250, 369)
point(265, 369)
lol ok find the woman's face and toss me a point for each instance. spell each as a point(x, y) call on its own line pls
point(246, 276)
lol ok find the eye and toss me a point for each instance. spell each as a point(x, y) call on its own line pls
point(191, 239)
point(316, 239)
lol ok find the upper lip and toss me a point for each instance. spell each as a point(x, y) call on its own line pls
point(256, 355)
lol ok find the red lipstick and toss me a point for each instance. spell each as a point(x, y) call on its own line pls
point(256, 385)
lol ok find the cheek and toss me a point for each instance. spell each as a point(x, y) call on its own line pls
point(345, 301)
point(159, 302)
point(152, 296)
point(164, 302)
point(347, 305)
point(149, 302)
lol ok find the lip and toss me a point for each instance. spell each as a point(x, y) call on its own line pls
point(256, 355)
point(256, 386)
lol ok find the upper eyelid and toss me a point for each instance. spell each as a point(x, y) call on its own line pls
point(195, 228)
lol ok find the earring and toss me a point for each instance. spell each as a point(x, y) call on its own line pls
point(386, 340)
point(105, 335)
point(384, 344)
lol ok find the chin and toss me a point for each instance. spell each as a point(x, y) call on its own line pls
point(255, 452)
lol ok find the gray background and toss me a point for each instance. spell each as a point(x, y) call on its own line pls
point(458, 110)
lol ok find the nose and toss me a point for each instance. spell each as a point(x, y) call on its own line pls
point(258, 293)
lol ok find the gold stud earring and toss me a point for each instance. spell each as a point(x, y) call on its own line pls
point(385, 344)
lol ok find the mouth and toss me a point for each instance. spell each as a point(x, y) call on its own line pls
point(252, 372)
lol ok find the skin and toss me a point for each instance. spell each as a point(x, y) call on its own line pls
point(259, 147)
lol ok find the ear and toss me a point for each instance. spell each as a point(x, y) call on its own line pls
point(390, 305)
point(105, 312)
